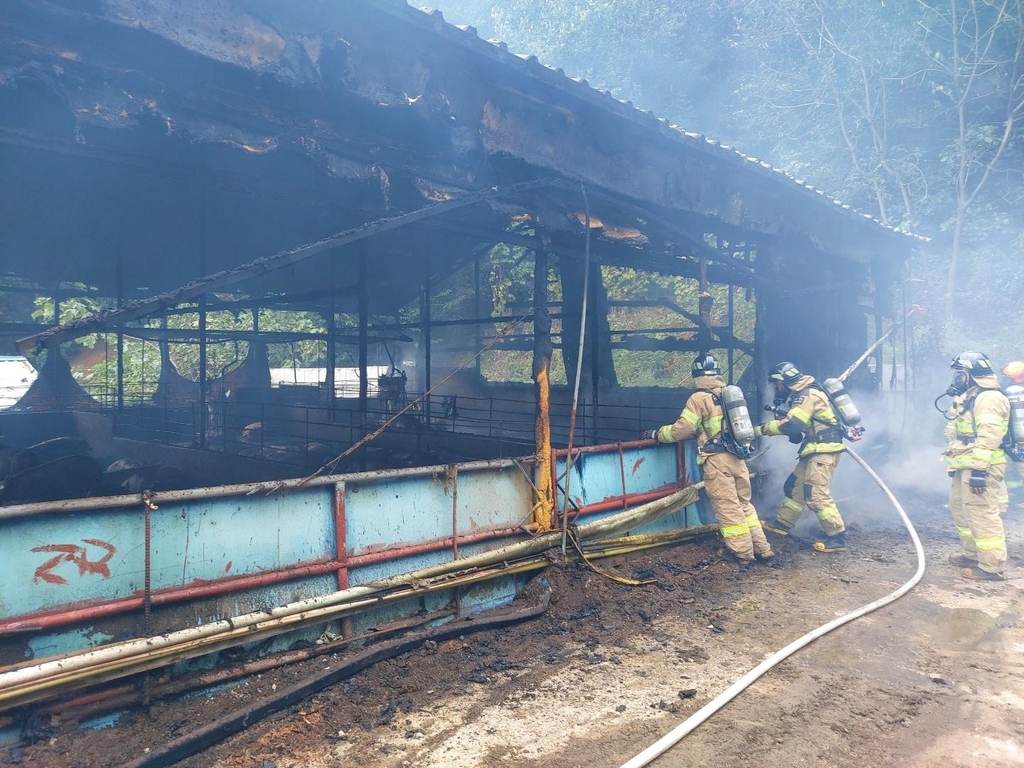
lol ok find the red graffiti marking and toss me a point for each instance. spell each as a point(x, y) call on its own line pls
point(636, 465)
point(227, 567)
point(73, 553)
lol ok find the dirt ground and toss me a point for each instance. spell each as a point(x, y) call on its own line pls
point(937, 679)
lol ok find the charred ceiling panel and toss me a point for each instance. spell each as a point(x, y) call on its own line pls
point(372, 93)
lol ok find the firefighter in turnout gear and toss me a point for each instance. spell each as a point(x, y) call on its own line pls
point(726, 478)
point(976, 462)
point(1014, 481)
point(811, 422)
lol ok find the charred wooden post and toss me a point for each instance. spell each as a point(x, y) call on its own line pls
point(544, 506)
point(603, 365)
point(704, 303)
point(119, 277)
point(760, 363)
point(425, 337)
point(203, 383)
point(332, 329)
point(363, 294)
point(478, 343)
point(598, 366)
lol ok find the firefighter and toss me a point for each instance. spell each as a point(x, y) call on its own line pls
point(977, 423)
point(811, 422)
point(726, 478)
point(1014, 481)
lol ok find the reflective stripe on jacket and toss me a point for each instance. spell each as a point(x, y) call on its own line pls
point(980, 420)
point(701, 417)
point(811, 411)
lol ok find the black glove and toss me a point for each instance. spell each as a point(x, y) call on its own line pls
point(649, 434)
point(951, 472)
point(979, 480)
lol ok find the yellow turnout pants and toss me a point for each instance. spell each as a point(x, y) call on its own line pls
point(977, 518)
point(809, 486)
point(727, 485)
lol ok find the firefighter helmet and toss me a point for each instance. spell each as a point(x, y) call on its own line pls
point(782, 377)
point(974, 364)
point(1015, 371)
point(705, 364)
point(785, 374)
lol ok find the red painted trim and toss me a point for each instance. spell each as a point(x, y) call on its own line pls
point(607, 448)
point(51, 619)
point(637, 498)
point(435, 545)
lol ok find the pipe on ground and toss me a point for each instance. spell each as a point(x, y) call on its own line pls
point(15, 684)
point(220, 729)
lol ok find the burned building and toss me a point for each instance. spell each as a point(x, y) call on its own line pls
point(461, 227)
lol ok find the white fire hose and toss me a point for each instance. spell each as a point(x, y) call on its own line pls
point(677, 734)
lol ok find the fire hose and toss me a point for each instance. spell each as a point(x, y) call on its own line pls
point(678, 733)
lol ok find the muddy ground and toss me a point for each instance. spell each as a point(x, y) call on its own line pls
point(937, 679)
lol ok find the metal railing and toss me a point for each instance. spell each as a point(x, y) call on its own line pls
point(301, 426)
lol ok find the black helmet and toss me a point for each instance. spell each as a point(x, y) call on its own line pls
point(975, 364)
point(968, 366)
point(785, 374)
point(705, 364)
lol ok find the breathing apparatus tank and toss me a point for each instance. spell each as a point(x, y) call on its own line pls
point(738, 416)
point(1015, 394)
point(843, 402)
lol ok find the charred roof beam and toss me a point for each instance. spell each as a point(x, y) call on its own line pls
point(102, 321)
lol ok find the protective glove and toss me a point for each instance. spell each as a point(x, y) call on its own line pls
point(649, 434)
point(979, 480)
point(759, 430)
point(951, 472)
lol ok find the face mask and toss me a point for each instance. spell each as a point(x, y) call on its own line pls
point(961, 381)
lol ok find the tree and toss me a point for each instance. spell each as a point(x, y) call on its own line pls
point(828, 91)
point(977, 52)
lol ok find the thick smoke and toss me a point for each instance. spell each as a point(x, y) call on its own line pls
point(902, 442)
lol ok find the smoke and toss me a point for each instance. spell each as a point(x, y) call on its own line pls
point(902, 442)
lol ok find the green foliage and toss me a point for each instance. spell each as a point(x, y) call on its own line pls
point(72, 309)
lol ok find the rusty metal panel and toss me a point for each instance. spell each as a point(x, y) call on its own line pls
point(497, 499)
point(404, 511)
point(605, 477)
point(647, 469)
point(50, 561)
point(78, 565)
point(597, 477)
point(215, 538)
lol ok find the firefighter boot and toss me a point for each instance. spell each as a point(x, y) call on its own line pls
point(776, 526)
point(835, 543)
point(962, 561)
point(976, 574)
point(732, 557)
